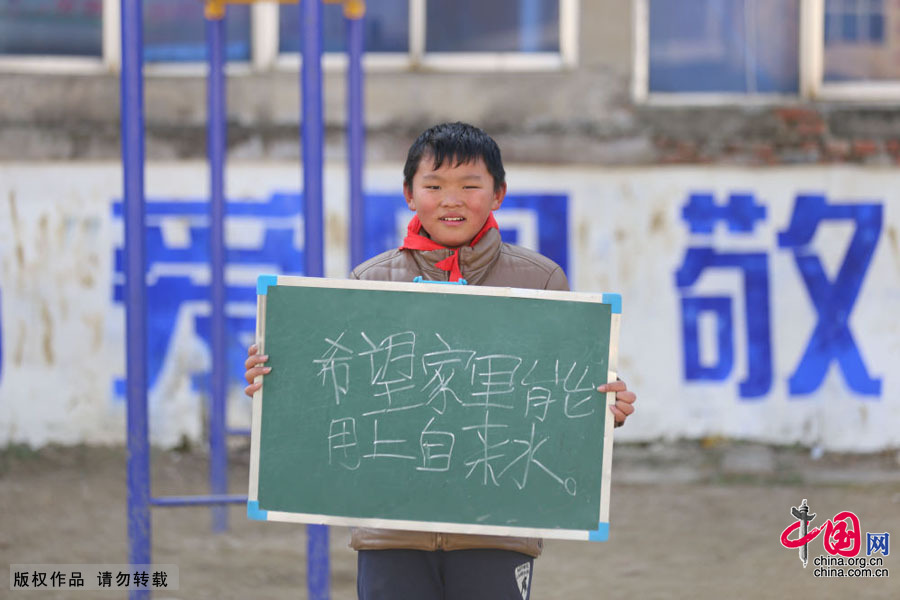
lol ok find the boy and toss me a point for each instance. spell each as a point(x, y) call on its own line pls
point(453, 180)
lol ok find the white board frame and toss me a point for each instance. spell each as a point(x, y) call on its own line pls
point(253, 510)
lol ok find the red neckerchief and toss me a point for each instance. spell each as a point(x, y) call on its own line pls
point(416, 241)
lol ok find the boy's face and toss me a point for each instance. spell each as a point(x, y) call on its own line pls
point(453, 202)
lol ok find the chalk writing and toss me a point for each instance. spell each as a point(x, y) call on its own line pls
point(331, 363)
point(442, 365)
point(377, 452)
point(342, 441)
point(487, 449)
point(437, 448)
point(466, 400)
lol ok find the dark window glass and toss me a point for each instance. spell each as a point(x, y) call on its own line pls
point(865, 44)
point(492, 26)
point(744, 46)
point(848, 30)
point(71, 28)
point(386, 27)
point(175, 31)
point(876, 28)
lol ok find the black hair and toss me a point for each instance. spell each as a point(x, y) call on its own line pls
point(459, 142)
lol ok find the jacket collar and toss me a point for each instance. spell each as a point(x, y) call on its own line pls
point(475, 262)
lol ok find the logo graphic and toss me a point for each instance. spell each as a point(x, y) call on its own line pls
point(803, 518)
point(842, 541)
point(522, 573)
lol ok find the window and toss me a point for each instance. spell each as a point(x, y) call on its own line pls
point(862, 40)
point(451, 34)
point(174, 31)
point(493, 26)
point(739, 46)
point(386, 27)
point(437, 34)
point(42, 27)
point(726, 50)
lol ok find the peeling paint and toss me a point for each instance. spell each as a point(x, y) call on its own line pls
point(658, 221)
point(16, 228)
point(47, 338)
point(19, 354)
point(895, 245)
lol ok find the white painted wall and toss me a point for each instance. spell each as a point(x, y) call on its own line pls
point(63, 340)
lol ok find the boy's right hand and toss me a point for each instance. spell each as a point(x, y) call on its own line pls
point(255, 367)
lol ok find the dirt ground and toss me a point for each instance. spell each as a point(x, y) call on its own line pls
point(688, 520)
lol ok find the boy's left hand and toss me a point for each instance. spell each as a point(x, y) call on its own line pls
point(625, 399)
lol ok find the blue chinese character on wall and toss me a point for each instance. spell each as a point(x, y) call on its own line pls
point(831, 340)
point(740, 214)
point(833, 301)
point(178, 271)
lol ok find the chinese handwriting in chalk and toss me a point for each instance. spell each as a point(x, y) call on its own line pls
point(334, 369)
point(528, 454)
point(386, 448)
point(391, 364)
point(489, 451)
point(494, 375)
point(486, 414)
point(343, 446)
point(442, 366)
point(437, 448)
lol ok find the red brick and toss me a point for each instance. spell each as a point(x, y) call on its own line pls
point(864, 148)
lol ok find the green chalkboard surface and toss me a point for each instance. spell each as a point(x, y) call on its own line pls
point(434, 407)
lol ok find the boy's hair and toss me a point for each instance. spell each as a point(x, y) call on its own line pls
point(459, 142)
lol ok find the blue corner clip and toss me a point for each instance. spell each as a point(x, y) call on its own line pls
point(602, 533)
point(615, 302)
point(263, 282)
point(420, 279)
point(255, 512)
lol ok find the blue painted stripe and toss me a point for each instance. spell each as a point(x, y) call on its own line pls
point(263, 282)
point(614, 300)
point(420, 279)
point(255, 513)
point(602, 533)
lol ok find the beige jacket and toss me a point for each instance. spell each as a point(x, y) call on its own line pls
point(490, 262)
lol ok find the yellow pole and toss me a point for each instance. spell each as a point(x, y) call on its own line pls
point(215, 9)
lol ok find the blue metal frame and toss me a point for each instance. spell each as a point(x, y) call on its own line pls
point(132, 99)
point(356, 137)
point(312, 134)
point(215, 140)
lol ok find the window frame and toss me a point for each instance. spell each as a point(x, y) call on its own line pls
point(264, 54)
point(417, 58)
point(109, 59)
point(811, 56)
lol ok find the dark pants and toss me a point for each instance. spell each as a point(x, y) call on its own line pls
point(440, 575)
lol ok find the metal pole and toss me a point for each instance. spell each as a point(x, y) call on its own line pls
point(215, 139)
point(312, 136)
point(312, 141)
point(356, 134)
point(132, 99)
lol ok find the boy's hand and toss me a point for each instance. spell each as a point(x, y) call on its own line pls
point(255, 366)
point(624, 405)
